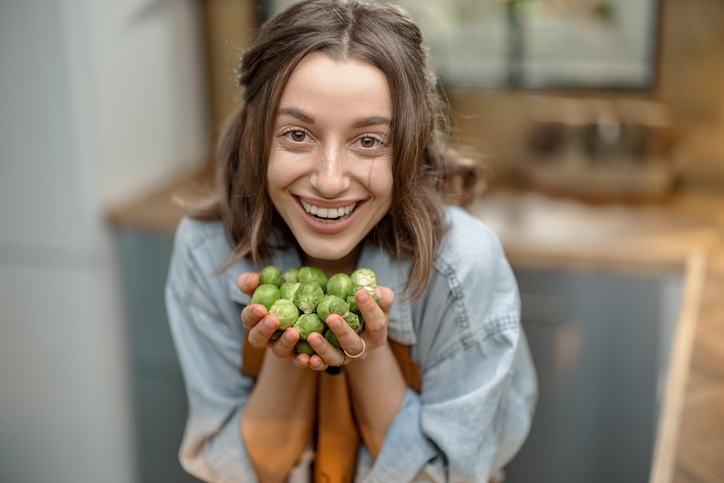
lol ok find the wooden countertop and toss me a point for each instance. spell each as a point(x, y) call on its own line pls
point(685, 231)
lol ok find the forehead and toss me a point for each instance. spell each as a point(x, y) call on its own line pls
point(325, 87)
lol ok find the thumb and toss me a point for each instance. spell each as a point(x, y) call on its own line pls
point(248, 282)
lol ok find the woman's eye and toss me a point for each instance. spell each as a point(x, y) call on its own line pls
point(369, 142)
point(297, 136)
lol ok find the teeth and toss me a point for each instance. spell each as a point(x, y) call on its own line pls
point(328, 213)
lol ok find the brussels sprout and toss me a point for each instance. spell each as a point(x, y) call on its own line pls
point(331, 338)
point(311, 273)
point(286, 312)
point(353, 303)
point(364, 277)
point(287, 290)
point(331, 304)
point(304, 347)
point(308, 323)
point(277, 334)
point(292, 275)
point(339, 285)
point(307, 296)
point(356, 322)
point(266, 295)
point(271, 276)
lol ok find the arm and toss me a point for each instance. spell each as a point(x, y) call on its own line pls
point(478, 390)
point(209, 341)
point(277, 421)
point(377, 386)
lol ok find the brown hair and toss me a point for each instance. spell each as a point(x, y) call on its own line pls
point(424, 170)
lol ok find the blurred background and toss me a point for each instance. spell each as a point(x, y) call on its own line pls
point(600, 124)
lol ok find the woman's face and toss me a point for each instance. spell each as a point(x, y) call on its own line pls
point(330, 168)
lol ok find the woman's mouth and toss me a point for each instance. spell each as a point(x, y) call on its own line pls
point(328, 215)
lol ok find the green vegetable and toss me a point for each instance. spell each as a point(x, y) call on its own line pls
point(353, 303)
point(356, 322)
point(331, 338)
point(286, 312)
point(287, 290)
point(339, 285)
point(266, 295)
point(364, 277)
point(331, 304)
point(308, 323)
point(307, 290)
point(304, 347)
point(310, 273)
point(307, 296)
point(271, 276)
point(292, 275)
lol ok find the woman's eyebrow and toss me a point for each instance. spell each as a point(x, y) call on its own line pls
point(297, 113)
point(362, 122)
point(371, 121)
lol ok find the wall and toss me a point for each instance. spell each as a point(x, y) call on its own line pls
point(99, 102)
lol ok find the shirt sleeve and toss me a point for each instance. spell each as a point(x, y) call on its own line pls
point(479, 385)
point(209, 346)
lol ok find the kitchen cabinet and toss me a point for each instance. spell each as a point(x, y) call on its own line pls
point(600, 343)
point(159, 395)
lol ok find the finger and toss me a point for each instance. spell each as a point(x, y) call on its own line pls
point(347, 337)
point(259, 336)
point(375, 318)
point(317, 363)
point(386, 296)
point(248, 282)
point(326, 354)
point(252, 314)
point(284, 347)
point(302, 359)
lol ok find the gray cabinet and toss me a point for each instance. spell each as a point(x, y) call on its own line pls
point(160, 405)
point(600, 343)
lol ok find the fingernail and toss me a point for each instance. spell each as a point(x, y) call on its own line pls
point(334, 323)
point(316, 342)
point(364, 297)
point(269, 324)
point(257, 312)
point(288, 336)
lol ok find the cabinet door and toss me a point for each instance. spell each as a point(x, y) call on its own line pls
point(160, 402)
point(595, 339)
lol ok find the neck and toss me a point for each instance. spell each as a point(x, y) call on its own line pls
point(346, 264)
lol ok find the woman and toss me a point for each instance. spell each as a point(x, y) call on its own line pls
point(337, 159)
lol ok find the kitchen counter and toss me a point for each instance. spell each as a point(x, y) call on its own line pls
point(684, 232)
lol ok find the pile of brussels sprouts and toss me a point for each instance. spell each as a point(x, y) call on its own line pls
point(304, 297)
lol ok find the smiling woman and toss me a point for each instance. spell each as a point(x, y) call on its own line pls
point(338, 159)
point(331, 152)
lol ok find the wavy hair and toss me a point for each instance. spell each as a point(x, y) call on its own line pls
point(425, 171)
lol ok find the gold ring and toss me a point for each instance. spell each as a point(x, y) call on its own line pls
point(358, 355)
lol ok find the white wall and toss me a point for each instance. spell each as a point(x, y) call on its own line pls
point(100, 101)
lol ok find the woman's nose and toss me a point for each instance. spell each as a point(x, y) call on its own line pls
point(330, 178)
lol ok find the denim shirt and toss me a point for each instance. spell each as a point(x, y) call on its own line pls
point(479, 386)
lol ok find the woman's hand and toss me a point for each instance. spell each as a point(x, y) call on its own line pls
point(374, 335)
point(260, 325)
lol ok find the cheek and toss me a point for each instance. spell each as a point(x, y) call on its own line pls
point(280, 173)
point(381, 182)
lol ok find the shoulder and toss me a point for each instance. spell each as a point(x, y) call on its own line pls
point(200, 249)
point(468, 243)
point(191, 233)
point(472, 261)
